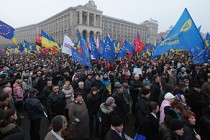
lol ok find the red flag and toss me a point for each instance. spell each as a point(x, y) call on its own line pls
point(138, 44)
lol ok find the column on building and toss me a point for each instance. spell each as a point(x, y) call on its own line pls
point(80, 17)
point(100, 21)
point(94, 20)
point(88, 15)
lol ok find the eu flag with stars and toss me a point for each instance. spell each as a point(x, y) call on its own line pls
point(109, 49)
point(94, 50)
point(183, 36)
point(6, 30)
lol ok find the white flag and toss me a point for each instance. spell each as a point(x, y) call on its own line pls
point(67, 45)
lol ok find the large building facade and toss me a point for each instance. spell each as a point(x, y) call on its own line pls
point(90, 21)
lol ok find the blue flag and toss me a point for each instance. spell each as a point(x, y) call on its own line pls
point(85, 50)
point(20, 47)
point(139, 137)
point(183, 36)
point(6, 30)
point(109, 49)
point(101, 49)
point(202, 57)
point(79, 57)
point(27, 46)
point(207, 36)
point(126, 48)
point(94, 50)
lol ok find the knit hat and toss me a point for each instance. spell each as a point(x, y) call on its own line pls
point(146, 82)
point(116, 121)
point(176, 124)
point(118, 85)
point(169, 96)
point(145, 91)
point(109, 101)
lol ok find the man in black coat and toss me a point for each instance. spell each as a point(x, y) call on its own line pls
point(116, 130)
point(56, 102)
point(155, 89)
point(46, 92)
point(35, 112)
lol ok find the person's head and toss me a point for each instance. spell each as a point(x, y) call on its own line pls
point(117, 123)
point(39, 73)
point(156, 78)
point(136, 77)
point(89, 76)
point(4, 98)
point(66, 85)
point(125, 83)
point(33, 92)
point(76, 78)
point(81, 85)
point(19, 81)
point(178, 107)
point(182, 86)
point(209, 77)
point(180, 98)
point(177, 126)
point(11, 115)
point(153, 107)
point(189, 117)
point(94, 90)
point(49, 83)
point(110, 102)
point(55, 88)
point(25, 78)
point(169, 96)
point(59, 123)
point(146, 84)
point(105, 77)
point(119, 87)
point(97, 77)
point(8, 90)
point(78, 97)
point(145, 93)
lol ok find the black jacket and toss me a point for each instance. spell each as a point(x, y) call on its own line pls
point(113, 135)
point(56, 103)
point(189, 133)
point(155, 92)
point(34, 108)
point(44, 95)
point(93, 104)
point(205, 127)
point(150, 127)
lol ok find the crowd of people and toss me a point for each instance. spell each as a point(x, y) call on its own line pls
point(170, 98)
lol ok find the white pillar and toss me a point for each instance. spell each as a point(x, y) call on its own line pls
point(88, 18)
point(94, 20)
point(100, 21)
point(80, 17)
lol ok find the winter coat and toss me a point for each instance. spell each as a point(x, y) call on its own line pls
point(113, 135)
point(162, 112)
point(141, 111)
point(150, 127)
point(155, 92)
point(41, 84)
point(121, 102)
point(56, 103)
point(205, 127)
point(69, 95)
point(79, 111)
point(18, 92)
point(168, 134)
point(106, 114)
point(88, 84)
point(93, 104)
point(189, 133)
point(206, 89)
point(34, 108)
point(44, 95)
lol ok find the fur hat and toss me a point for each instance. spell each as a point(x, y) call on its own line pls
point(116, 121)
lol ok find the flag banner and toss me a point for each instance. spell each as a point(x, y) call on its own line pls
point(79, 57)
point(202, 57)
point(45, 40)
point(67, 45)
point(139, 137)
point(109, 49)
point(6, 30)
point(94, 50)
point(183, 36)
point(101, 49)
point(85, 50)
point(126, 48)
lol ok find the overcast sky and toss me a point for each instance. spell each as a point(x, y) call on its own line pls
point(18, 13)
